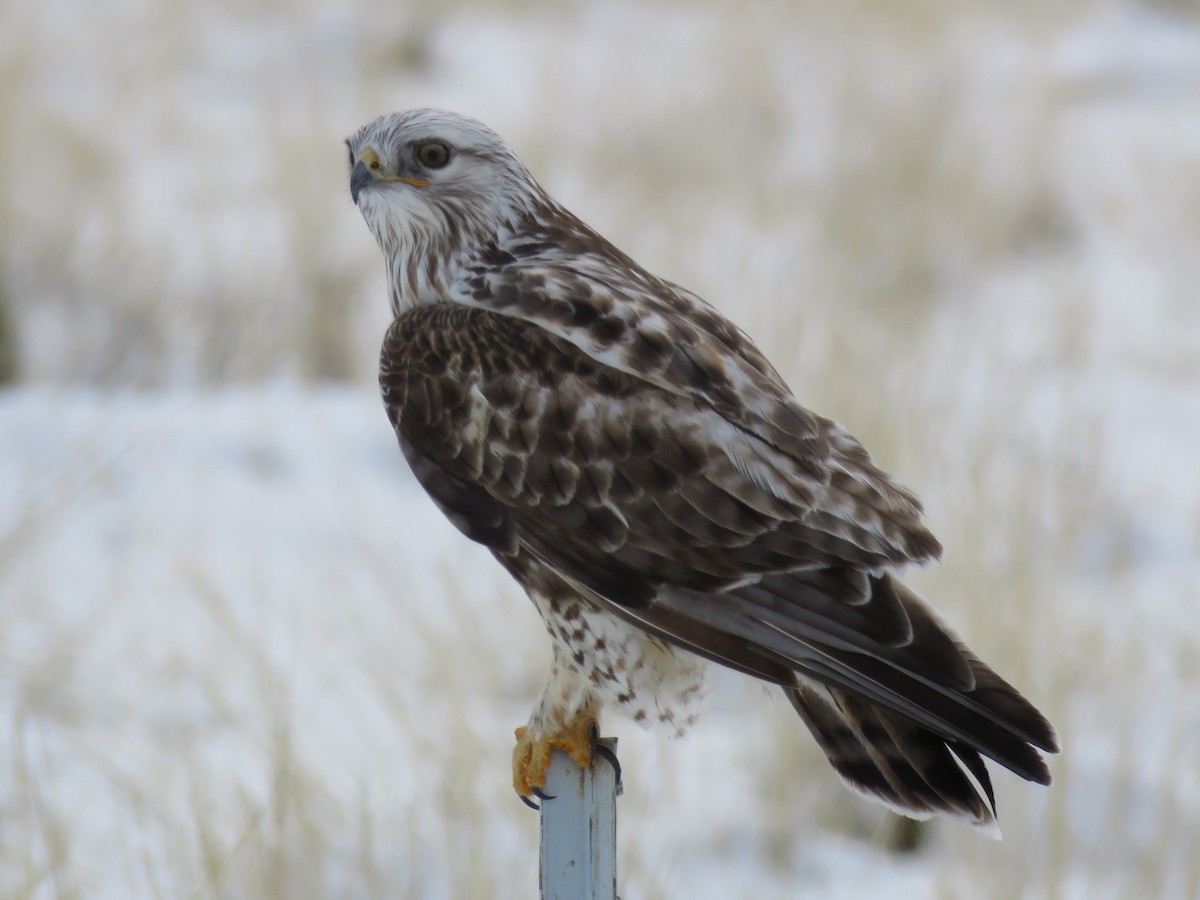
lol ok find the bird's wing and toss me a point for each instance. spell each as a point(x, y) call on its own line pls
point(665, 336)
point(657, 506)
point(614, 477)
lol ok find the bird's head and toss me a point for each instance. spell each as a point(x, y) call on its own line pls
point(432, 183)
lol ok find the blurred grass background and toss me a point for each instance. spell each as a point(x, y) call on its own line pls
point(967, 233)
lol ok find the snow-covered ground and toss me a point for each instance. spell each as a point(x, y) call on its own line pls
point(234, 627)
point(241, 655)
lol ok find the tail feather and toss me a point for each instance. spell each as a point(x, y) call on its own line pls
point(902, 708)
point(889, 758)
point(979, 721)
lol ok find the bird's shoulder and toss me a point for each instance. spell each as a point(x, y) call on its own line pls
point(612, 311)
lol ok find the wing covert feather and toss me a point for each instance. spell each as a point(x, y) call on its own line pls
point(606, 467)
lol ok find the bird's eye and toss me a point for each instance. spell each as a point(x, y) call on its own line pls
point(433, 155)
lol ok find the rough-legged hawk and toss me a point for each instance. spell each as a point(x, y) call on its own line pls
point(635, 462)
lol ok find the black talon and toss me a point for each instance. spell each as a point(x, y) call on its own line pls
point(540, 794)
point(602, 751)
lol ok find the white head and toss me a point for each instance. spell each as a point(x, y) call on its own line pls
point(432, 184)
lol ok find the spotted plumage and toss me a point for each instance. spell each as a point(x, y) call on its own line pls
point(639, 467)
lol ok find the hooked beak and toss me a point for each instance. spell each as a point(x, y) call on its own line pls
point(360, 177)
point(368, 171)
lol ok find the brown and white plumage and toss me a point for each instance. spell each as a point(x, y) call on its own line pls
point(641, 469)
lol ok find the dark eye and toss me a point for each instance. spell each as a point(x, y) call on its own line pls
point(433, 155)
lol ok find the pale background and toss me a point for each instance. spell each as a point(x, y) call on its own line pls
point(241, 656)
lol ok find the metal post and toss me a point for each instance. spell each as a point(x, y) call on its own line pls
point(579, 830)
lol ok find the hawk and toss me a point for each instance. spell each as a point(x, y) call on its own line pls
point(640, 468)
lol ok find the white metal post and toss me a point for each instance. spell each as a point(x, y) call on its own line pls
point(579, 829)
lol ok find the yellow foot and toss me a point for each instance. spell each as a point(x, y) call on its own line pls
point(531, 756)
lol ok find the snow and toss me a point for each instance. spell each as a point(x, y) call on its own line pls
point(213, 581)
